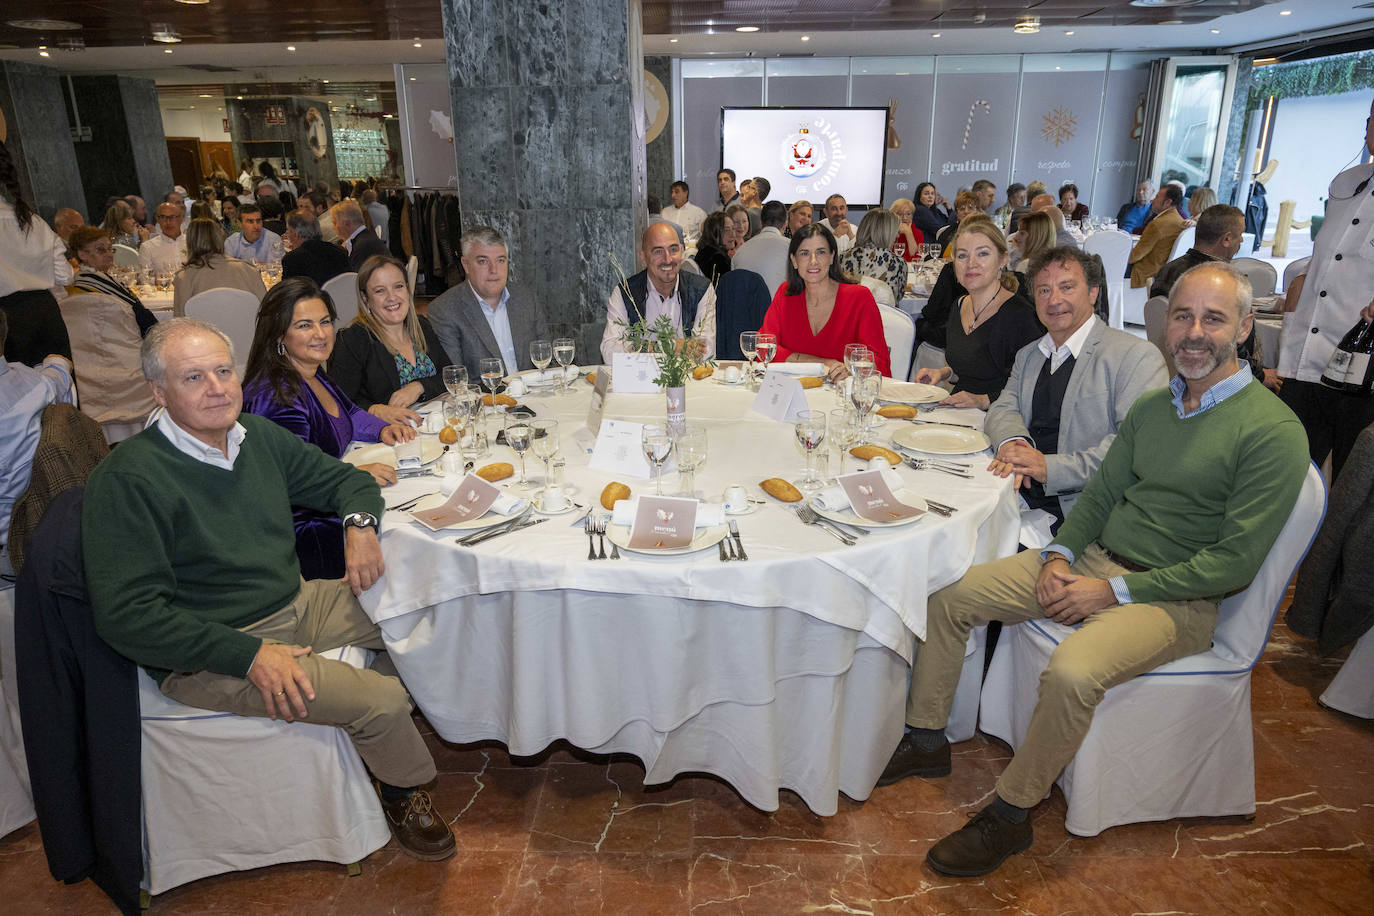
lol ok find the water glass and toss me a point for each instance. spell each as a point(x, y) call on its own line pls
point(541, 354)
point(519, 436)
point(843, 434)
point(546, 444)
point(766, 347)
point(690, 450)
point(455, 379)
point(564, 348)
point(657, 445)
point(748, 343)
point(863, 393)
point(810, 430)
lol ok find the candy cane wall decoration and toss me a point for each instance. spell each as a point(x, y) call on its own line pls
point(978, 103)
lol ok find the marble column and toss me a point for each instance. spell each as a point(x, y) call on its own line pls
point(548, 128)
point(126, 152)
point(1230, 183)
point(659, 148)
point(37, 137)
point(254, 134)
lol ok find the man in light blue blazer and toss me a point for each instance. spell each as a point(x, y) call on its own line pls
point(1069, 390)
point(479, 318)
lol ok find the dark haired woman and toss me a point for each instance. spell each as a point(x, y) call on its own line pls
point(930, 210)
point(712, 256)
point(35, 261)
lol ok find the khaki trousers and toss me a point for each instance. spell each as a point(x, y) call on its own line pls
point(372, 708)
point(1108, 648)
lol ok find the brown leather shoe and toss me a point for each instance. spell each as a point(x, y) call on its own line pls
point(421, 831)
point(910, 760)
point(980, 846)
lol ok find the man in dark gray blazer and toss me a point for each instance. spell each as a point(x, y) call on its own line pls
point(479, 318)
point(359, 241)
point(1070, 390)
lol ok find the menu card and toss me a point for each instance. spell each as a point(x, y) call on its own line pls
point(870, 497)
point(780, 397)
point(663, 522)
point(472, 498)
point(634, 373)
point(598, 407)
point(618, 449)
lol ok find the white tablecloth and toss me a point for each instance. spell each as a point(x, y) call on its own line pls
point(786, 671)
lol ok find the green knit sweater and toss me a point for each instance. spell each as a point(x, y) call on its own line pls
point(1199, 500)
point(179, 554)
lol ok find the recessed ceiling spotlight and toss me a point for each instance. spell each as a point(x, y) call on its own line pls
point(290, 47)
point(934, 34)
point(326, 82)
point(42, 47)
point(1285, 12)
point(239, 97)
point(193, 108)
point(418, 45)
point(806, 38)
point(1027, 25)
point(206, 95)
point(1171, 22)
point(165, 33)
point(194, 2)
point(166, 50)
point(1069, 32)
point(412, 79)
point(746, 28)
point(45, 25)
point(44, 54)
point(1216, 31)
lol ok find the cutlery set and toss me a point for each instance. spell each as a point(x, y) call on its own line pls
point(519, 523)
point(596, 528)
point(732, 550)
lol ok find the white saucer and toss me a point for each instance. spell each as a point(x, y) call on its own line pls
point(568, 506)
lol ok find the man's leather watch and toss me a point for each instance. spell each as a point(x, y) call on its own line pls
point(360, 520)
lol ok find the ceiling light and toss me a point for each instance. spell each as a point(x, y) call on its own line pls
point(1216, 31)
point(934, 34)
point(42, 47)
point(412, 79)
point(194, 2)
point(417, 45)
point(166, 50)
point(45, 25)
point(1027, 25)
point(290, 47)
point(1069, 32)
point(326, 82)
point(165, 33)
point(806, 38)
point(44, 54)
point(746, 28)
point(1171, 22)
point(206, 95)
point(239, 97)
point(672, 41)
point(193, 108)
point(1285, 12)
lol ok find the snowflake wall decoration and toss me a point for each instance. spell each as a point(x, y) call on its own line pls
point(1058, 126)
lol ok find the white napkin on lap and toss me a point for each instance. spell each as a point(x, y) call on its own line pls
point(409, 454)
point(708, 514)
point(798, 368)
point(832, 499)
point(505, 504)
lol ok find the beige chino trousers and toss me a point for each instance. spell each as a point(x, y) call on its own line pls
point(372, 708)
point(1108, 648)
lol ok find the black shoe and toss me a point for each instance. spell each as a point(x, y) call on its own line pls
point(981, 845)
point(420, 830)
point(910, 760)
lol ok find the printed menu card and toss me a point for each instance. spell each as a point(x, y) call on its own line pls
point(870, 497)
point(663, 522)
point(471, 500)
point(780, 397)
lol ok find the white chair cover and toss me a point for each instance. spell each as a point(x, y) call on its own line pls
point(1352, 689)
point(1183, 242)
point(229, 793)
point(109, 377)
point(882, 293)
point(343, 289)
point(900, 330)
point(1114, 247)
point(16, 798)
point(1263, 277)
point(1294, 270)
point(233, 311)
point(124, 256)
point(1177, 741)
point(1133, 303)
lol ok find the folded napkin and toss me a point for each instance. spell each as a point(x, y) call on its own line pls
point(409, 455)
point(798, 368)
point(505, 504)
point(833, 499)
point(708, 514)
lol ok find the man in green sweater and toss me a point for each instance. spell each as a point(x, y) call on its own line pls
point(191, 566)
point(1192, 493)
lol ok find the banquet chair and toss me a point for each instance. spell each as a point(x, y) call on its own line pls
point(1351, 691)
point(1156, 310)
point(900, 331)
point(1114, 248)
point(228, 793)
point(16, 797)
point(1294, 270)
point(1183, 242)
point(882, 293)
point(1175, 741)
point(109, 377)
point(233, 311)
point(742, 298)
point(124, 256)
point(1263, 278)
point(343, 289)
point(1133, 303)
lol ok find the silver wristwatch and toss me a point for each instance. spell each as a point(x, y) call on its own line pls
point(360, 520)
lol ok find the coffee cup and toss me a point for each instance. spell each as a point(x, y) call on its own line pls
point(516, 387)
point(553, 499)
point(732, 375)
point(451, 463)
point(736, 499)
point(434, 422)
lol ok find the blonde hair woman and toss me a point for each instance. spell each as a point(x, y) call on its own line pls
point(207, 267)
point(1038, 233)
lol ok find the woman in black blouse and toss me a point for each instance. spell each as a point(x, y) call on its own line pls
point(932, 211)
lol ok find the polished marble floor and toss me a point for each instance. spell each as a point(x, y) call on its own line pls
point(569, 835)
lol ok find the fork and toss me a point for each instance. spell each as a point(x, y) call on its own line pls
point(941, 507)
point(601, 537)
point(922, 464)
point(734, 532)
point(499, 527)
point(615, 551)
point(589, 526)
point(808, 516)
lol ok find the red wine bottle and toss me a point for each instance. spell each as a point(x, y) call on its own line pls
point(1350, 369)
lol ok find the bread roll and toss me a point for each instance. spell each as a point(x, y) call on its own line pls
point(498, 400)
point(448, 435)
point(874, 451)
point(778, 488)
point(615, 490)
point(897, 411)
point(591, 378)
point(811, 381)
point(494, 472)
point(701, 372)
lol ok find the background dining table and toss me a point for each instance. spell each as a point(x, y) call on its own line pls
point(785, 671)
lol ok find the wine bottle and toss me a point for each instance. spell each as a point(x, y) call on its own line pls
point(1350, 368)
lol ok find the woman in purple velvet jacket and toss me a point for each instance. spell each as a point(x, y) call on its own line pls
point(285, 383)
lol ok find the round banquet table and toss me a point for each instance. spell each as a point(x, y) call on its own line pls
point(788, 670)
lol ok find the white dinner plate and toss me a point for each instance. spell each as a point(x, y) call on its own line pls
point(705, 537)
point(892, 391)
point(381, 453)
point(940, 440)
point(433, 500)
point(848, 516)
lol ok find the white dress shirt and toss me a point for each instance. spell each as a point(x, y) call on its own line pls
point(842, 242)
point(348, 242)
point(188, 444)
point(32, 260)
point(237, 247)
point(24, 392)
point(162, 253)
point(1056, 355)
point(498, 319)
point(689, 217)
point(656, 304)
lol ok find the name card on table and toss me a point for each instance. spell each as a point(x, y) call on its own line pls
point(780, 397)
point(663, 522)
point(618, 449)
point(870, 497)
point(470, 500)
point(594, 413)
point(634, 373)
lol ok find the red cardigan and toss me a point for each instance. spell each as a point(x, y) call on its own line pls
point(855, 320)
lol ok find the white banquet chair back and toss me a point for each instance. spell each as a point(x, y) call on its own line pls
point(882, 293)
point(1176, 741)
point(1294, 270)
point(900, 331)
point(233, 311)
point(124, 256)
point(1263, 278)
point(1114, 248)
point(16, 795)
point(109, 376)
point(1183, 242)
point(343, 289)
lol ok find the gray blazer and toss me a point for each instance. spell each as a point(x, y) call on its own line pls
point(1112, 370)
point(466, 336)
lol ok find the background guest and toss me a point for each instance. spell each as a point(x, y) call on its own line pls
point(34, 262)
point(965, 205)
point(740, 217)
point(207, 267)
point(871, 255)
point(930, 210)
point(908, 242)
point(95, 253)
point(1133, 214)
point(229, 221)
point(1069, 204)
point(122, 228)
point(713, 257)
point(1037, 234)
point(799, 214)
point(310, 256)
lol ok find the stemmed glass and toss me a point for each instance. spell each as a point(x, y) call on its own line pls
point(541, 354)
point(810, 430)
point(749, 342)
point(546, 444)
point(767, 346)
point(455, 379)
point(468, 402)
point(843, 434)
point(690, 449)
point(492, 371)
point(857, 357)
point(657, 445)
point(863, 392)
point(563, 350)
point(519, 436)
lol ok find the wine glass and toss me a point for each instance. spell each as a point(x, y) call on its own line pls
point(657, 444)
point(855, 352)
point(863, 392)
point(767, 348)
point(748, 342)
point(546, 444)
point(455, 379)
point(810, 430)
point(541, 354)
point(468, 401)
point(690, 449)
point(843, 434)
point(519, 436)
point(563, 350)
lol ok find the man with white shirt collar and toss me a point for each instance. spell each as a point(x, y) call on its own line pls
point(1069, 391)
point(478, 318)
point(683, 212)
point(661, 288)
point(359, 241)
point(212, 602)
point(167, 250)
point(837, 221)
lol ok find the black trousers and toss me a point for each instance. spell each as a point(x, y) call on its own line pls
point(35, 327)
point(1332, 419)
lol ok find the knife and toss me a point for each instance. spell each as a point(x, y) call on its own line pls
point(941, 423)
point(496, 534)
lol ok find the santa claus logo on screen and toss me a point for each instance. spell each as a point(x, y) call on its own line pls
point(812, 154)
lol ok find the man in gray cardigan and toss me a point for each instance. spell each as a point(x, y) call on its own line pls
point(1069, 390)
point(477, 318)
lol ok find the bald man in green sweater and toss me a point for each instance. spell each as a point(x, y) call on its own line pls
point(191, 565)
point(1192, 493)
